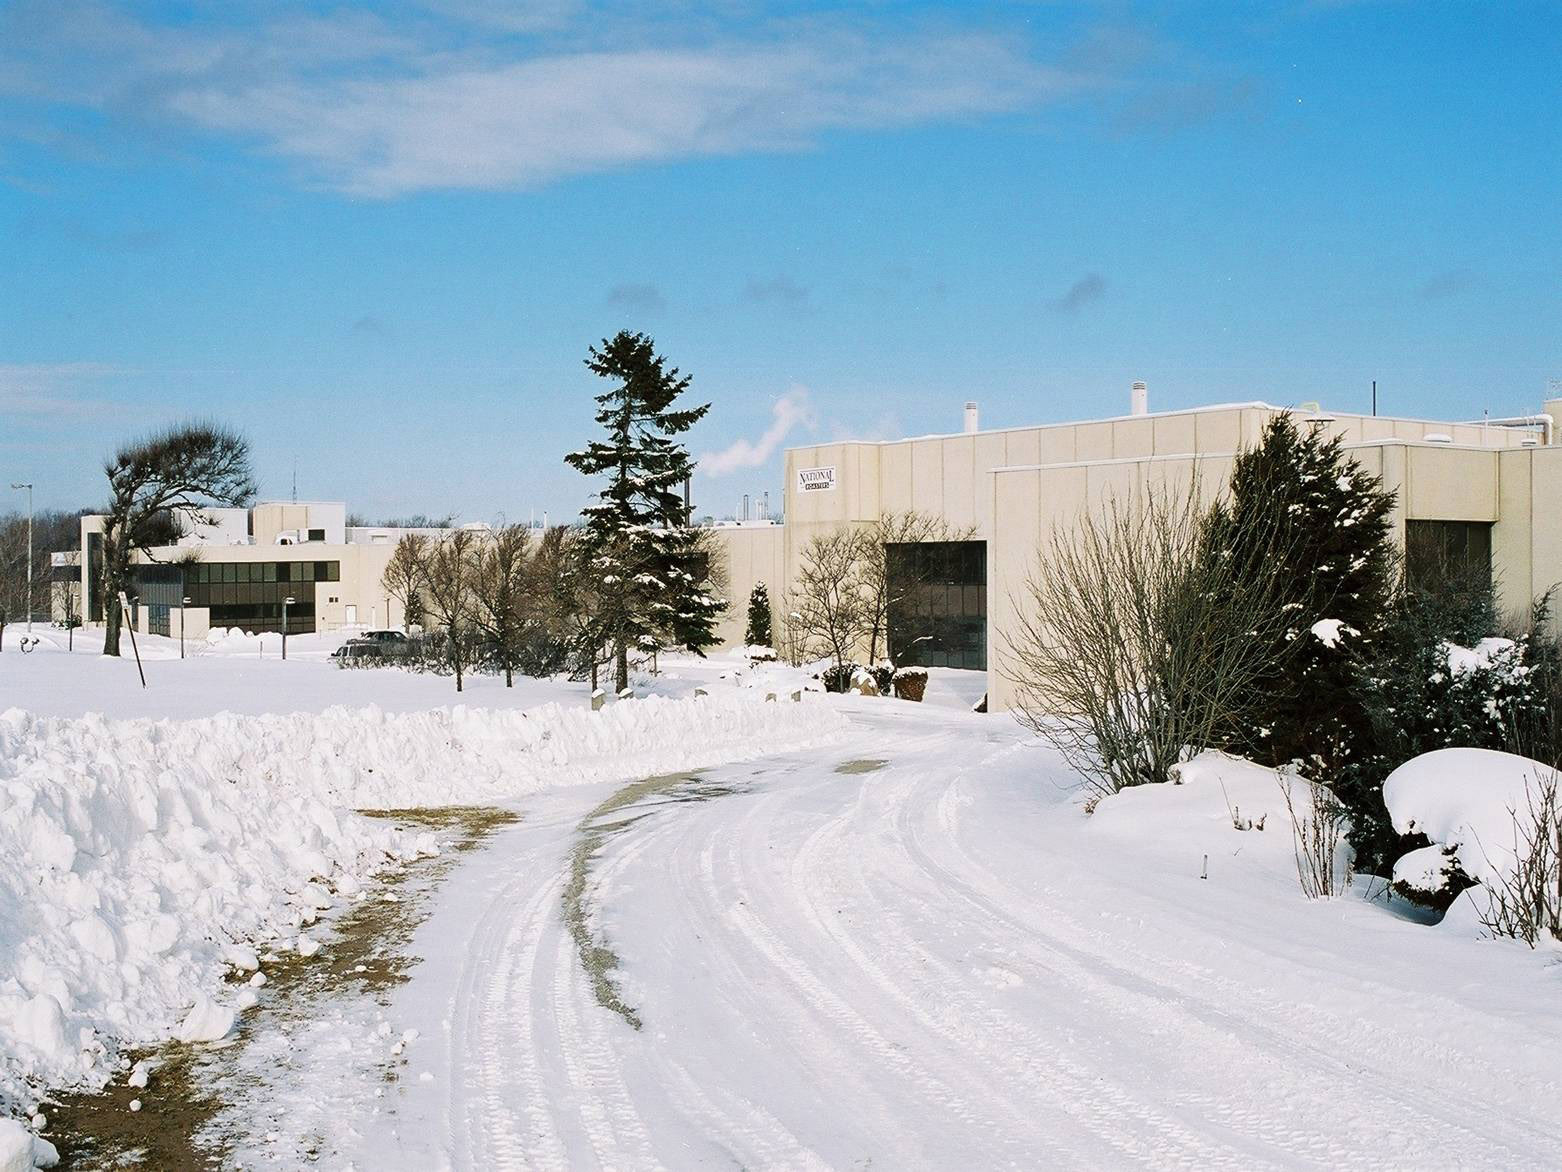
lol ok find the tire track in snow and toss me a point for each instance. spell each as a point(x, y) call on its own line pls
point(1107, 1110)
point(1241, 1038)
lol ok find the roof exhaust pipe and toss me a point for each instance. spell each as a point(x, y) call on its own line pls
point(1139, 399)
point(972, 419)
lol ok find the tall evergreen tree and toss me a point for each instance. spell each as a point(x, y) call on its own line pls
point(651, 569)
point(757, 633)
point(1300, 510)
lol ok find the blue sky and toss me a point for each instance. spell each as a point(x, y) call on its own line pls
point(379, 239)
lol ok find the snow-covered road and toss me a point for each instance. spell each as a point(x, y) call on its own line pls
point(941, 963)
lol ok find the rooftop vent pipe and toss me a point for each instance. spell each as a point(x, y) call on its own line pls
point(972, 419)
point(1139, 399)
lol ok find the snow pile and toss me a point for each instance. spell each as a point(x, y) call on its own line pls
point(21, 1151)
point(1213, 803)
point(141, 860)
point(1478, 803)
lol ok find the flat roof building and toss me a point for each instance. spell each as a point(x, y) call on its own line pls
point(1492, 490)
point(239, 566)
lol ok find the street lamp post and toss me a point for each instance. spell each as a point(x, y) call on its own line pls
point(184, 608)
point(29, 489)
point(286, 602)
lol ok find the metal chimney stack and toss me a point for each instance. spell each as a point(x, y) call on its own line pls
point(972, 419)
point(1139, 399)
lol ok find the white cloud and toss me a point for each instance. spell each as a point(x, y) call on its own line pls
point(791, 409)
point(379, 111)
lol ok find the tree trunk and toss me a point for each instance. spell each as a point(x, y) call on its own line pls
point(111, 623)
point(113, 579)
point(622, 672)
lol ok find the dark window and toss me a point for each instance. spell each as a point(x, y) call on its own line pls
point(937, 603)
point(1448, 554)
point(317, 535)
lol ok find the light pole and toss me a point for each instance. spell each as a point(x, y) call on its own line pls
point(29, 489)
point(183, 609)
point(286, 602)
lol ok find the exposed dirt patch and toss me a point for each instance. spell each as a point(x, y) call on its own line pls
point(365, 952)
point(861, 765)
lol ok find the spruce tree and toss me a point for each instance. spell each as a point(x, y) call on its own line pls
point(651, 573)
point(758, 631)
point(1300, 510)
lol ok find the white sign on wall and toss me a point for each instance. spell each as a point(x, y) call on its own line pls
point(816, 479)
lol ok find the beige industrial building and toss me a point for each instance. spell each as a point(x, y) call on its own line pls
point(1489, 490)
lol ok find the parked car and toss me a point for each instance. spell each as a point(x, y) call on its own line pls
point(359, 649)
point(389, 642)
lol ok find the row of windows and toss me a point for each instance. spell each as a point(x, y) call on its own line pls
point(234, 593)
point(263, 572)
point(265, 616)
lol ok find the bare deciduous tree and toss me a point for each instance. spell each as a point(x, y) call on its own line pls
point(1126, 660)
point(181, 470)
point(831, 609)
point(450, 578)
point(503, 612)
point(404, 574)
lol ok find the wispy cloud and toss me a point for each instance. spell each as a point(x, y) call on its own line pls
point(53, 389)
point(1090, 287)
point(788, 412)
point(640, 298)
point(782, 291)
point(379, 111)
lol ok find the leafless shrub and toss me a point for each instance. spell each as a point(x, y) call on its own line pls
point(1525, 900)
point(1317, 831)
point(1124, 657)
point(830, 611)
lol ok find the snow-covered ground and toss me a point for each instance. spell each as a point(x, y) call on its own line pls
point(864, 933)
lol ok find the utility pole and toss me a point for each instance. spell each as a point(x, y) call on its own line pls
point(29, 489)
point(1374, 398)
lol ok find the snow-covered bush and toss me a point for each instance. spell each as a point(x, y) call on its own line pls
point(1435, 679)
point(883, 676)
point(1492, 819)
point(838, 676)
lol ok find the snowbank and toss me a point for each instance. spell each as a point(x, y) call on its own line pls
point(1213, 802)
point(1467, 800)
point(141, 860)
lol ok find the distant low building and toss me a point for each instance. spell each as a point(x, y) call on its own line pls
point(238, 568)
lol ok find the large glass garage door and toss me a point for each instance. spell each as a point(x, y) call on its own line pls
point(937, 603)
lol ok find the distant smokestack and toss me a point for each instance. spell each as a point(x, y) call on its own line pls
point(972, 420)
point(744, 517)
point(1139, 399)
point(765, 508)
